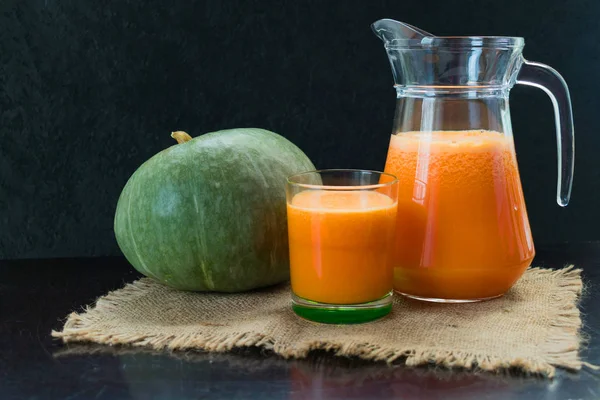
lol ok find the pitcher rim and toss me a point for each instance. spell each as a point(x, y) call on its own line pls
point(457, 42)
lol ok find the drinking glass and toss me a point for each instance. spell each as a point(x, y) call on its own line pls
point(341, 226)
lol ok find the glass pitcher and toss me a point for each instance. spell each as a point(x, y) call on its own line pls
point(463, 232)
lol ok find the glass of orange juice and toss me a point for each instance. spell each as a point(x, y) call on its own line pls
point(341, 228)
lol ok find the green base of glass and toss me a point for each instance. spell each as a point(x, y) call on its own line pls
point(342, 313)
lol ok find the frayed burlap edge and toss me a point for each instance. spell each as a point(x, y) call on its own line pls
point(561, 347)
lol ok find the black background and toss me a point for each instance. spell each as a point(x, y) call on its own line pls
point(91, 89)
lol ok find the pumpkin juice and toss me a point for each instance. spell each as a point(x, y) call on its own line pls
point(462, 231)
point(340, 245)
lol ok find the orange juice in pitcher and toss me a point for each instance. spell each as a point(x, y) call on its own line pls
point(462, 229)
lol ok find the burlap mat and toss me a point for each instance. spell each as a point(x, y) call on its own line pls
point(534, 327)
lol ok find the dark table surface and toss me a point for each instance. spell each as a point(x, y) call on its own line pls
point(36, 295)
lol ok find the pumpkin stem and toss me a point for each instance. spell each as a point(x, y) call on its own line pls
point(181, 137)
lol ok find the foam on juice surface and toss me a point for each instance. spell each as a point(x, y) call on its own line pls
point(341, 200)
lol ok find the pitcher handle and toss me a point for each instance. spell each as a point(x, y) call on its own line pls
point(550, 81)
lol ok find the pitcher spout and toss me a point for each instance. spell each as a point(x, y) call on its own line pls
point(394, 32)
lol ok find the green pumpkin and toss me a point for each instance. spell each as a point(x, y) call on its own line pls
point(209, 214)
